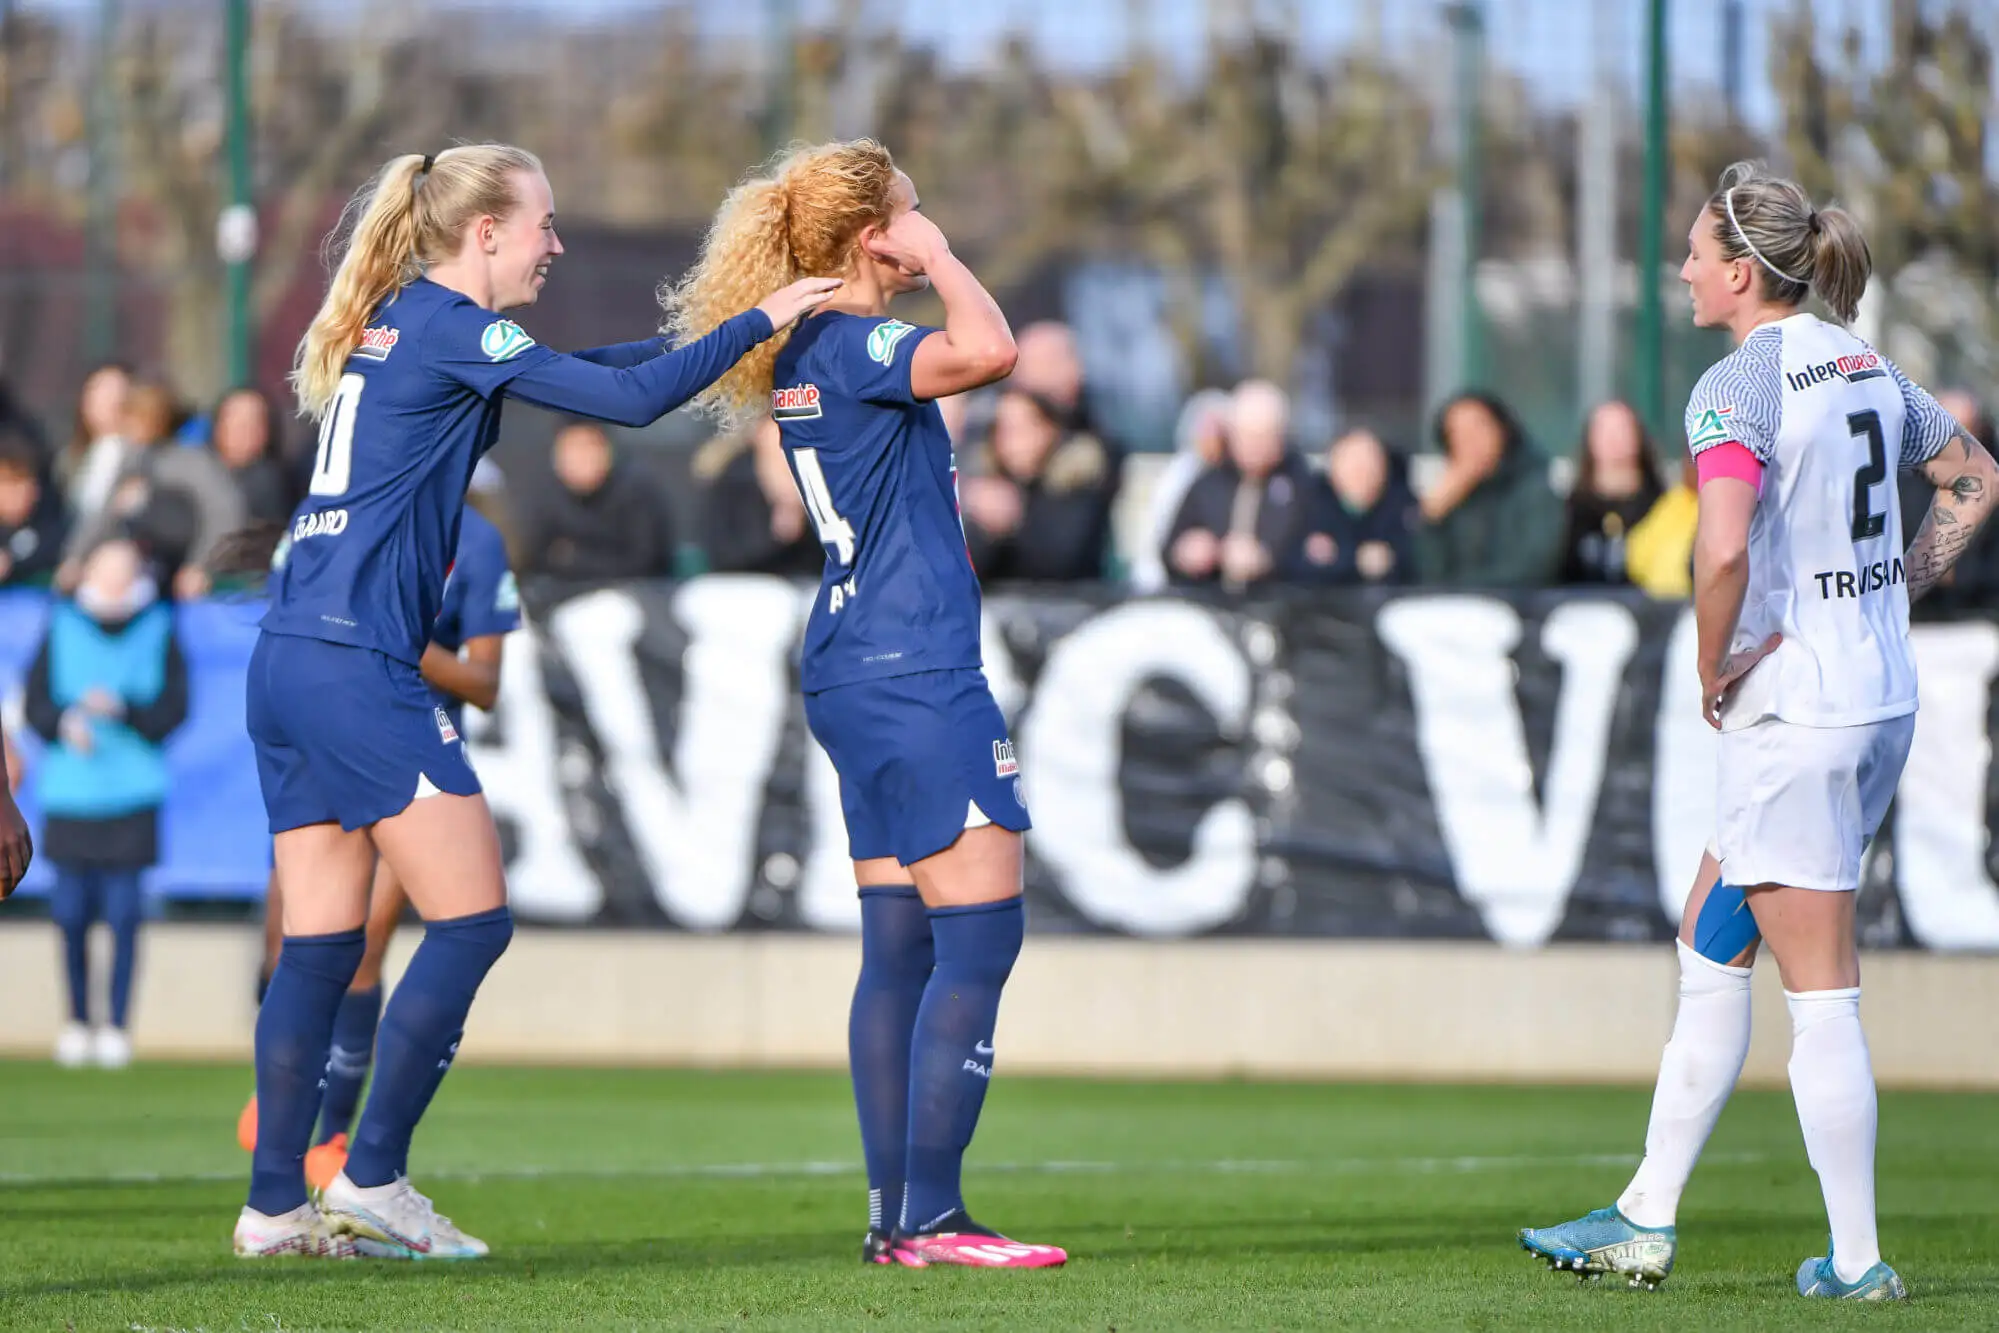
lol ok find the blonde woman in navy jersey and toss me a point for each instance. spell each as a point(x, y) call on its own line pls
point(1802, 584)
point(894, 686)
point(405, 368)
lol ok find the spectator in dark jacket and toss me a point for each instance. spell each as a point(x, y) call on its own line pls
point(1494, 521)
point(32, 517)
point(1617, 483)
point(1375, 516)
point(752, 519)
point(245, 436)
point(1037, 500)
point(603, 521)
point(1258, 517)
point(106, 689)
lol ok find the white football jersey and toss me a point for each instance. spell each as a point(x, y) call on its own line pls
point(1833, 421)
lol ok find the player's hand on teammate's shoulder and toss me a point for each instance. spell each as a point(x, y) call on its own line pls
point(788, 303)
point(1715, 692)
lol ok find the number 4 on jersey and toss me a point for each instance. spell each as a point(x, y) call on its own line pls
point(835, 532)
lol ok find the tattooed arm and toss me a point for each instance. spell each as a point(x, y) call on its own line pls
point(1967, 484)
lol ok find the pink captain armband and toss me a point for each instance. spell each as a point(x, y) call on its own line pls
point(1729, 460)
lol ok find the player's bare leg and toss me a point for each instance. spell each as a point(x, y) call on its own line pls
point(1637, 1236)
point(327, 871)
point(972, 890)
point(1811, 935)
point(445, 852)
point(353, 1050)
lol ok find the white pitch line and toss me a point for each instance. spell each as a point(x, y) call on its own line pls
point(797, 1170)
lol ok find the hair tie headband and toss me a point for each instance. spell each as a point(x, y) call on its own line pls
point(422, 171)
point(1728, 202)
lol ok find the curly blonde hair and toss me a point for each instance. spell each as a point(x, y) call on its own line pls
point(413, 213)
point(799, 216)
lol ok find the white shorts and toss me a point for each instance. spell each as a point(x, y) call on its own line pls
point(1797, 805)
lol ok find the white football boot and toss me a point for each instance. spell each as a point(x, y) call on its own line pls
point(302, 1233)
point(393, 1221)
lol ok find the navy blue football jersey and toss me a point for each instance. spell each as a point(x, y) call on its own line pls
point(417, 406)
point(480, 595)
point(874, 466)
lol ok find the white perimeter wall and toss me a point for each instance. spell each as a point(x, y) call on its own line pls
point(1319, 1009)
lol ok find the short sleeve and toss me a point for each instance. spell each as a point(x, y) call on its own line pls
point(479, 349)
point(876, 359)
point(1739, 400)
point(1926, 427)
point(491, 597)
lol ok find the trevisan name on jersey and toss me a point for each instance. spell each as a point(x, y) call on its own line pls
point(796, 402)
point(1839, 583)
point(1852, 369)
point(321, 523)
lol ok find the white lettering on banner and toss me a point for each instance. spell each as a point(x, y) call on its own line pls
point(1516, 864)
point(1948, 896)
point(826, 888)
point(1069, 748)
point(547, 879)
point(826, 897)
point(694, 825)
point(1683, 771)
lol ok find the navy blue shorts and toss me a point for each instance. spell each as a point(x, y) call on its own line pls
point(346, 735)
point(921, 758)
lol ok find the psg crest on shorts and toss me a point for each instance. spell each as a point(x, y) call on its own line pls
point(445, 731)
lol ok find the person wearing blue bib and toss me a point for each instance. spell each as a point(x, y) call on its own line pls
point(106, 689)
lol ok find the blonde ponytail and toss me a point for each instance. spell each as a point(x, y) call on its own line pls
point(381, 256)
point(413, 213)
point(1841, 261)
point(798, 218)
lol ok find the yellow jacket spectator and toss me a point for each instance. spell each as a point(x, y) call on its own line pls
point(1659, 549)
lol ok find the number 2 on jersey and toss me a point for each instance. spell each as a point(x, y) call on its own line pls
point(1867, 523)
point(332, 468)
point(833, 530)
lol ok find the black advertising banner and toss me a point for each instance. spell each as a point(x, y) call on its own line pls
point(1521, 769)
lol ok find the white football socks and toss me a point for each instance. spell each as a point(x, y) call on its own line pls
point(1832, 1079)
point(1696, 1074)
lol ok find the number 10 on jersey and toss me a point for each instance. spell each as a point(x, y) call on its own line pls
point(836, 534)
point(333, 466)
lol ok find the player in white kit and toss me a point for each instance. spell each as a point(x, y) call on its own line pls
point(1802, 585)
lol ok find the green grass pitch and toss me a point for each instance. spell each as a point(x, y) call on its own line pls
point(729, 1201)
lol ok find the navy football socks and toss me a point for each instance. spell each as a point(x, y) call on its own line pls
point(294, 1030)
point(347, 1062)
point(951, 1052)
point(419, 1036)
point(896, 960)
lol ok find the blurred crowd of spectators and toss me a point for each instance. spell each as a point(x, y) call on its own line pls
point(1241, 502)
